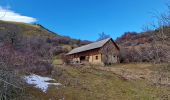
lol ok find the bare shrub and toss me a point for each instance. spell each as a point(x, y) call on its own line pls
point(154, 54)
point(60, 40)
point(42, 68)
point(103, 36)
point(11, 86)
point(13, 60)
point(162, 33)
point(58, 50)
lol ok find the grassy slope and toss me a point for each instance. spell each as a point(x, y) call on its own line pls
point(25, 29)
point(93, 84)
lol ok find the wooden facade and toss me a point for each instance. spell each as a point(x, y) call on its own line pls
point(108, 53)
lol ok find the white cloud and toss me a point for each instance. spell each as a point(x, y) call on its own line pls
point(9, 15)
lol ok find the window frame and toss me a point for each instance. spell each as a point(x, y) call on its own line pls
point(97, 57)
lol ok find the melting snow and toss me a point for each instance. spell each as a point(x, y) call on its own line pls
point(40, 82)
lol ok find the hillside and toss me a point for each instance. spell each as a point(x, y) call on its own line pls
point(25, 49)
point(135, 39)
point(143, 38)
point(23, 30)
point(28, 30)
point(149, 46)
point(36, 36)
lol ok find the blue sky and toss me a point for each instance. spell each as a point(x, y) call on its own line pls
point(85, 19)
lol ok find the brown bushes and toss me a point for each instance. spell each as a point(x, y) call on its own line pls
point(147, 54)
point(11, 85)
point(27, 58)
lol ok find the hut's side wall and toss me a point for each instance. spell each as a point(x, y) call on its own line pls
point(110, 54)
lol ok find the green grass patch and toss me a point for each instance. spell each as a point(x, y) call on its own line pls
point(57, 62)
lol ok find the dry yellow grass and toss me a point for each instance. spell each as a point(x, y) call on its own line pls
point(84, 83)
point(57, 62)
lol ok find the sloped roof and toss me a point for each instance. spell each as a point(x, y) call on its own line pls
point(90, 46)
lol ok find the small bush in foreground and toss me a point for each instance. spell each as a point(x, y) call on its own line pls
point(11, 85)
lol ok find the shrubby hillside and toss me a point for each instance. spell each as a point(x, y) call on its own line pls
point(149, 46)
point(27, 48)
point(34, 41)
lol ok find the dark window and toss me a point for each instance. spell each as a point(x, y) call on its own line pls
point(97, 58)
point(83, 58)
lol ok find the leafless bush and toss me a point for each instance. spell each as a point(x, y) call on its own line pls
point(153, 54)
point(11, 85)
point(162, 33)
point(60, 40)
point(33, 59)
point(58, 50)
point(103, 36)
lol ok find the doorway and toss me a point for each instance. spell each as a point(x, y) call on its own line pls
point(82, 58)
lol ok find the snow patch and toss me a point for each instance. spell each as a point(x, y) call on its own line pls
point(40, 82)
